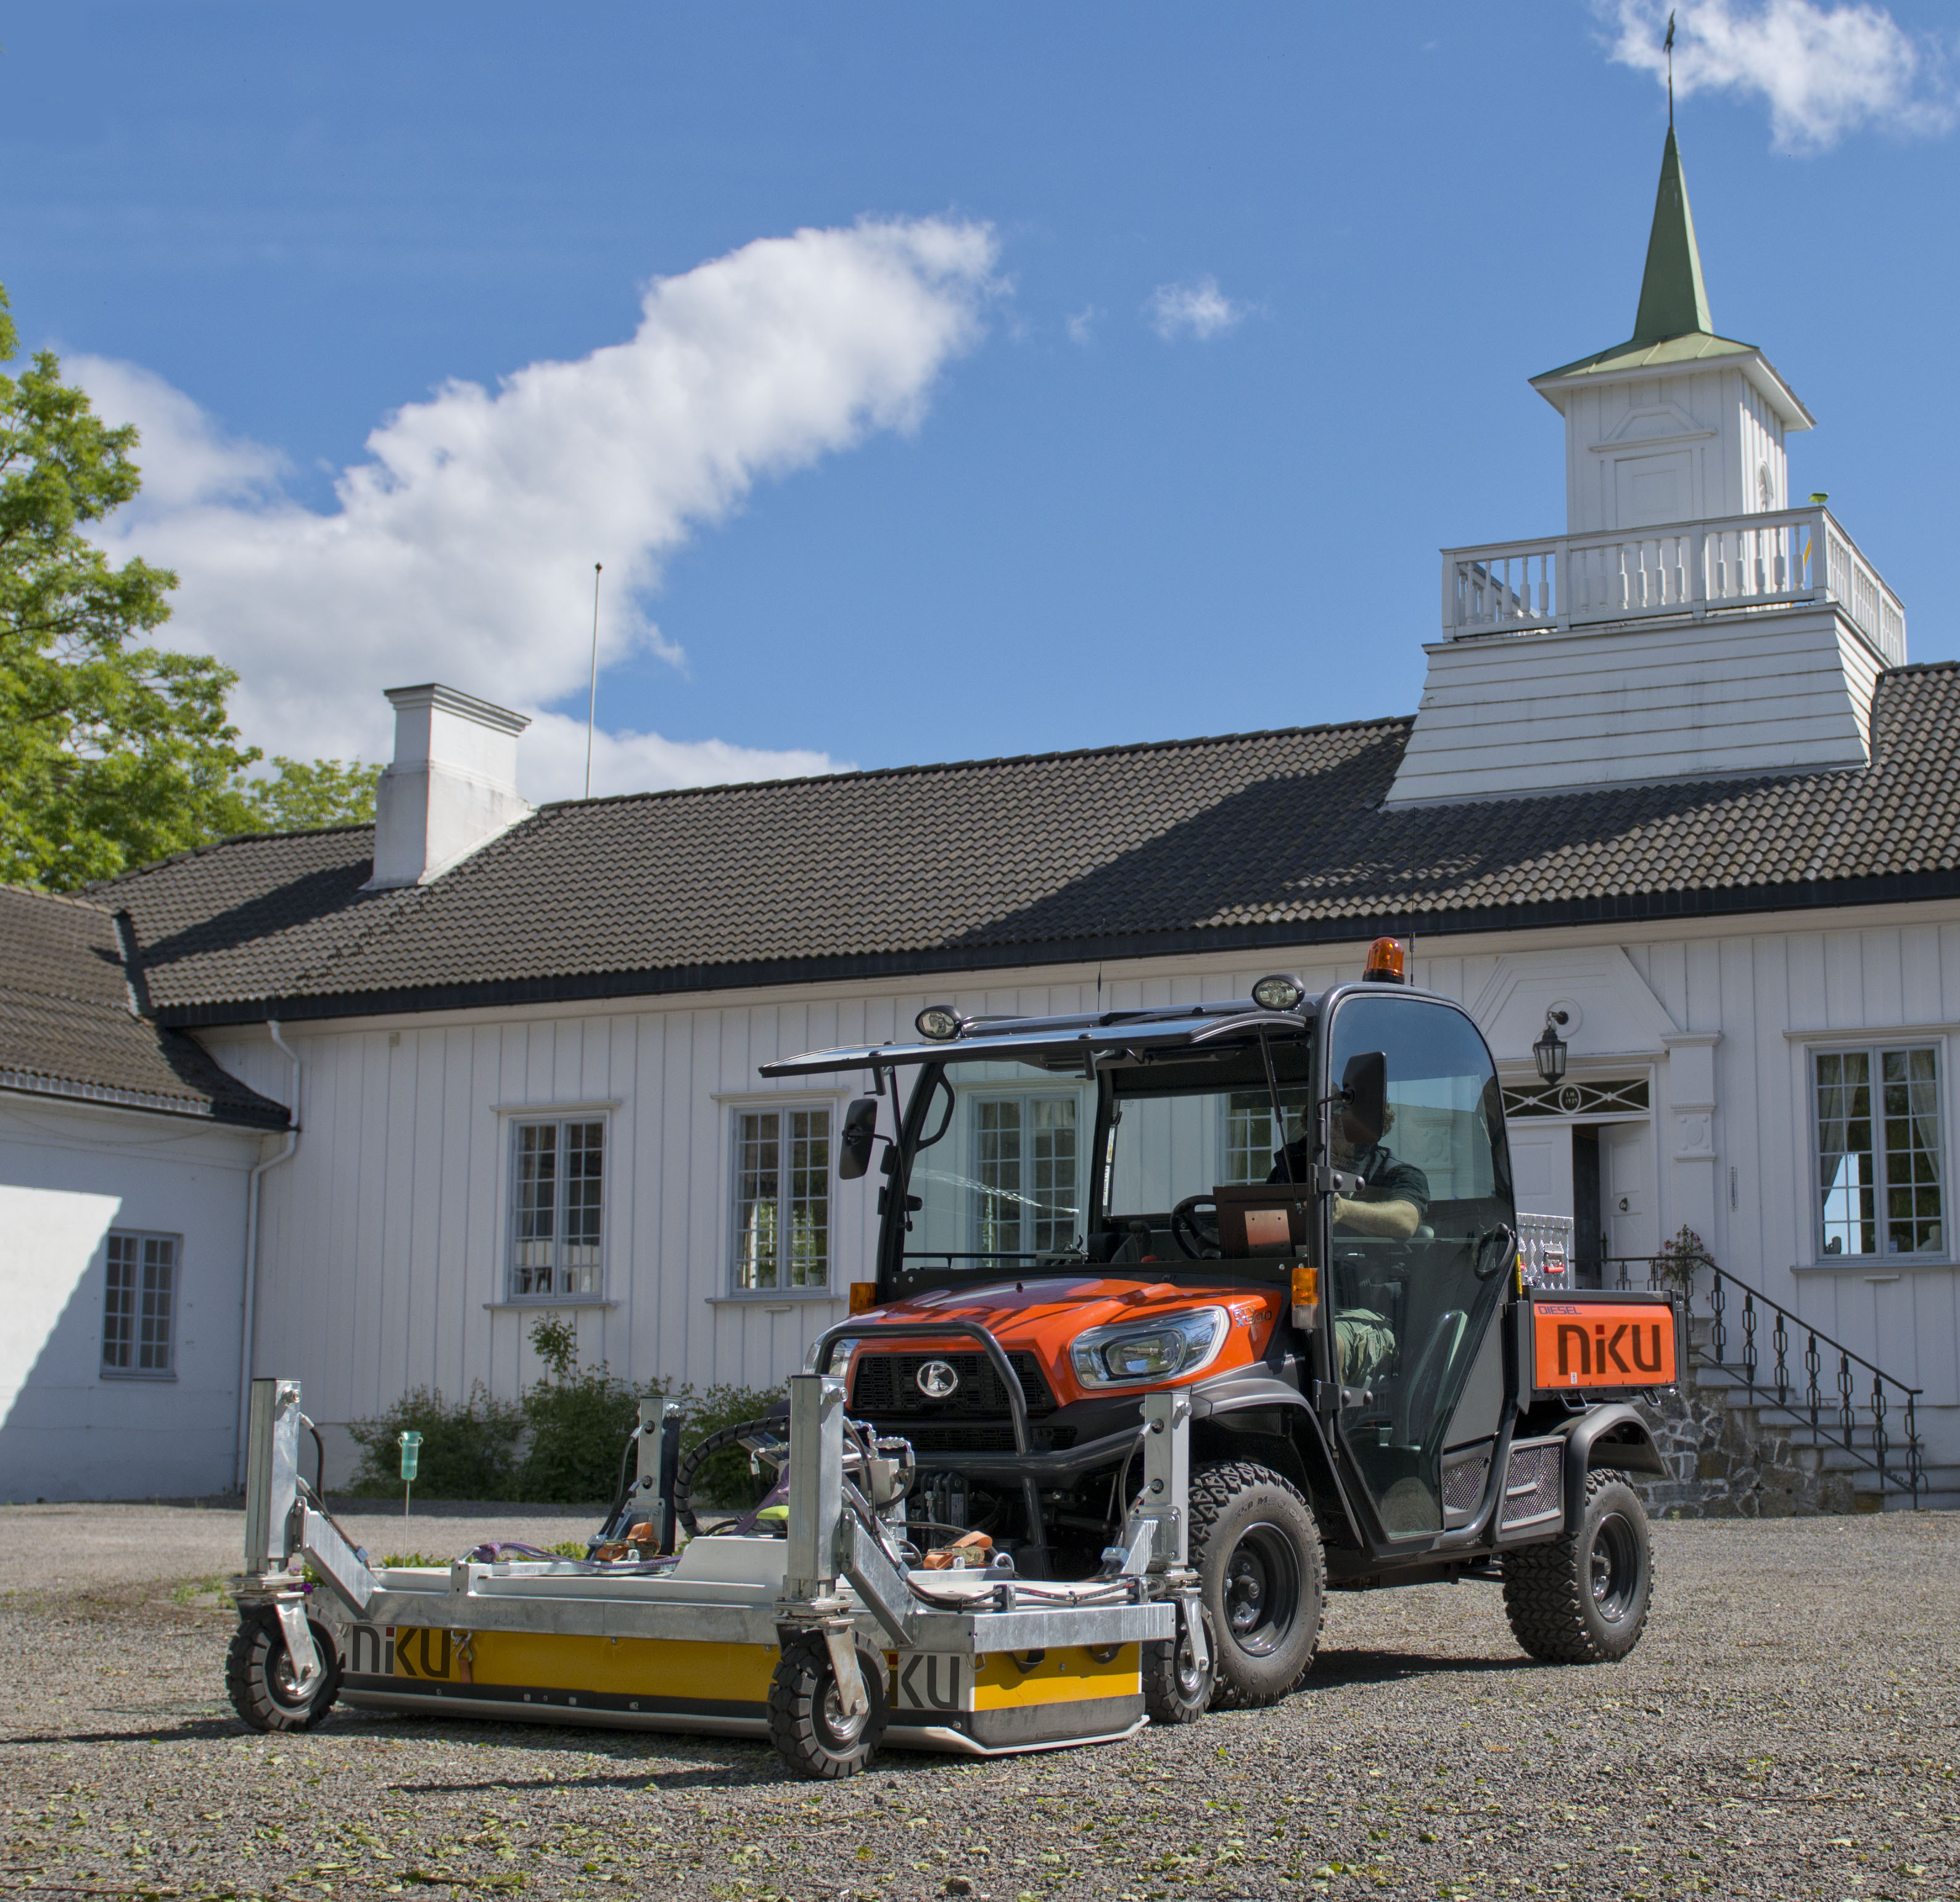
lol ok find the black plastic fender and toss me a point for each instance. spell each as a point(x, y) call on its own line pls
point(1247, 1391)
point(1610, 1434)
point(1236, 1393)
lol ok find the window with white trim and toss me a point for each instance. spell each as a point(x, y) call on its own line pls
point(1252, 1148)
point(1025, 1172)
point(1880, 1161)
point(782, 1198)
point(139, 1305)
point(558, 1208)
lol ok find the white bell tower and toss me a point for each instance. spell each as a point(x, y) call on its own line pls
point(1690, 624)
point(1676, 425)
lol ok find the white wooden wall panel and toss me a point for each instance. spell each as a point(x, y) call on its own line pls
point(68, 1173)
point(385, 1239)
point(1503, 714)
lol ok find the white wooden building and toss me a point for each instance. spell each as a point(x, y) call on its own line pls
point(1672, 777)
point(125, 1157)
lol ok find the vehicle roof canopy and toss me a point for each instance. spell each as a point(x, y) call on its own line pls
point(1077, 1043)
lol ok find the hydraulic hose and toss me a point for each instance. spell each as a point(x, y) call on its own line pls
point(319, 1461)
point(698, 1455)
point(609, 1524)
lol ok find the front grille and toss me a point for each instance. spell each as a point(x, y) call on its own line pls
point(1463, 1485)
point(886, 1387)
point(1532, 1482)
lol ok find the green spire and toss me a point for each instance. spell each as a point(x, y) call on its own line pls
point(1673, 300)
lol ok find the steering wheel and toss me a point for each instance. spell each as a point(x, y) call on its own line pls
point(1195, 1239)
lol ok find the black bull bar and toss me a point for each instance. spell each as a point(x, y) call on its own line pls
point(1024, 1464)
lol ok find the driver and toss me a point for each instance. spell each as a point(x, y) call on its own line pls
point(1395, 1195)
point(1393, 1201)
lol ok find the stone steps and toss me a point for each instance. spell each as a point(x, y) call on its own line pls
point(1737, 1451)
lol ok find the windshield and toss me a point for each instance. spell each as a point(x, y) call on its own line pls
point(1007, 1178)
point(1005, 1183)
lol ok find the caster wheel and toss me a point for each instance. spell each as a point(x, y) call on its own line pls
point(259, 1677)
point(808, 1724)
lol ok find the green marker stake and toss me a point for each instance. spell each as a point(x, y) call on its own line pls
point(411, 1454)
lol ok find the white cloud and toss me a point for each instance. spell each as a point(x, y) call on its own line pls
point(462, 549)
point(1082, 325)
point(1197, 309)
point(553, 751)
point(1825, 71)
point(185, 457)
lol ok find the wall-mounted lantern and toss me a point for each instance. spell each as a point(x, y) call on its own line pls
point(1550, 1049)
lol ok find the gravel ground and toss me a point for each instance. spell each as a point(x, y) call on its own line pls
point(1786, 1729)
point(44, 1548)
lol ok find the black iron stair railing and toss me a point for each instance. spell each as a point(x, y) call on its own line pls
point(1832, 1417)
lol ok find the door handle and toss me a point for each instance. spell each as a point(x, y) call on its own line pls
point(1502, 1257)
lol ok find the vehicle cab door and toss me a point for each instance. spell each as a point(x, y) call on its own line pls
point(1419, 1246)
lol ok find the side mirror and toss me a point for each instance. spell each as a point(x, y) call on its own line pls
point(854, 1141)
point(1364, 1090)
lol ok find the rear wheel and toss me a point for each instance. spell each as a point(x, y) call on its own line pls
point(1261, 1580)
point(1584, 1597)
point(259, 1677)
point(813, 1732)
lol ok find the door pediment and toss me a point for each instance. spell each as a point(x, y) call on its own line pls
point(1617, 1015)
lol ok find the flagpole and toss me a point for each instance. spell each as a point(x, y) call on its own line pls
point(592, 705)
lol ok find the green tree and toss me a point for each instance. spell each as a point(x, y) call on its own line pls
point(111, 751)
point(298, 796)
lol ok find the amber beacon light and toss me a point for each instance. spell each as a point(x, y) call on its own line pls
point(1388, 962)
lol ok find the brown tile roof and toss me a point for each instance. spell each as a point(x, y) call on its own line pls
point(1258, 838)
point(67, 1026)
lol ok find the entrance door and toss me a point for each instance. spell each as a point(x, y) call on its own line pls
point(1541, 1166)
point(1626, 1174)
point(1419, 1257)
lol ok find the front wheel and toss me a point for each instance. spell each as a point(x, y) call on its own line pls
point(259, 1677)
point(813, 1732)
point(1261, 1580)
point(1584, 1597)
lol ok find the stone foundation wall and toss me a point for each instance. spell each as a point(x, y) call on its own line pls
point(1721, 1468)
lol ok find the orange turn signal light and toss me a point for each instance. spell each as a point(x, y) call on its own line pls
point(1306, 1285)
point(1388, 962)
point(863, 1297)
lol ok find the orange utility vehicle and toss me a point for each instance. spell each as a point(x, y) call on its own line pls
point(1298, 1211)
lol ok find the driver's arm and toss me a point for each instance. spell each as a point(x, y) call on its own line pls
point(1394, 1221)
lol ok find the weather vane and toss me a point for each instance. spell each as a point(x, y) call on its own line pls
point(1667, 47)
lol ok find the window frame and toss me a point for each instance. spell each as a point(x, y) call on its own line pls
point(1876, 1046)
point(1027, 1163)
point(104, 1370)
point(558, 1118)
point(830, 1106)
point(1302, 1097)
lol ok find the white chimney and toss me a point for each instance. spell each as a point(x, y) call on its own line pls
point(452, 788)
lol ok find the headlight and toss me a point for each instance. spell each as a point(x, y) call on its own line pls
point(1125, 1353)
point(940, 1021)
point(1278, 993)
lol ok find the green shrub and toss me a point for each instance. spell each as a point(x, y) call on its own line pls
point(579, 1427)
point(562, 1442)
point(466, 1450)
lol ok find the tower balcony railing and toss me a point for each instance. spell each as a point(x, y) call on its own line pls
point(1732, 563)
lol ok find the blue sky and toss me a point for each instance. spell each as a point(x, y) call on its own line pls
point(263, 229)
